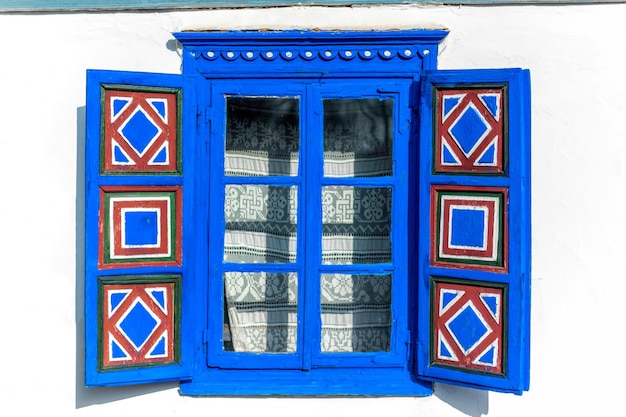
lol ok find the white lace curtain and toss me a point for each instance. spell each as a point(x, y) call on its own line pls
point(261, 308)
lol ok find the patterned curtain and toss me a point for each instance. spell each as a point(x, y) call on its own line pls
point(261, 311)
point(356, 313)
point(261, 307)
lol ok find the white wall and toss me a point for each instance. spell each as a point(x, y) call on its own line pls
point(576, 55)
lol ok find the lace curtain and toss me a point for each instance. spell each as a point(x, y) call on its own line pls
point(261, 307)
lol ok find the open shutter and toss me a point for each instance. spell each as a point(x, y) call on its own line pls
point(474, 229)
point(133, 229)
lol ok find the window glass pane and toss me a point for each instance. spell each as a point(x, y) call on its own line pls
point(358, 137)
point(356, 225)
point(356, 312)
point(262, 136)
point(261, 312)
point(260, 223)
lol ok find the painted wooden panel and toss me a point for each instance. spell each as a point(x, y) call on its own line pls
point(469, 226)
point(468, 323)
point(469, 130)
point(140, 226)
point(133, 231)
point(474, 299)
point(40, 5)
point(141, 130)
point(139, 318)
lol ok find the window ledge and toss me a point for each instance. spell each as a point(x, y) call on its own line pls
point(318, 382)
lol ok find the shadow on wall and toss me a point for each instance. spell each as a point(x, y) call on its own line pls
point(471, 402)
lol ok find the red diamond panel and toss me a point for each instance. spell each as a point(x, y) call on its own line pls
point(468, 326)
point(138, 324)
point(469, 130)
point(141, 132)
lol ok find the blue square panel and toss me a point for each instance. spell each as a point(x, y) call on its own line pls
point(141, 228)
point(468, 227)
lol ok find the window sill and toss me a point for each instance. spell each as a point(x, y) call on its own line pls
point(317, 382)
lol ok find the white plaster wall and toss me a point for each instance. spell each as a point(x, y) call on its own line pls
point(576, 55)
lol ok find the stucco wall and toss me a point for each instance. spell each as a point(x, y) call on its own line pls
point(576, 55)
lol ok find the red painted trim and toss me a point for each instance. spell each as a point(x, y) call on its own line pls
point(116, 245)
point(489, 250)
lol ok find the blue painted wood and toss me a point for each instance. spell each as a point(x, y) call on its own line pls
point(209, 72)
point(310, 54)
point(516, 278)
point(94, 376)
point(357, 381)
point(69, 5)
point(290, 63)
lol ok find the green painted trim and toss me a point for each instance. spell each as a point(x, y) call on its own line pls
point(86, 5)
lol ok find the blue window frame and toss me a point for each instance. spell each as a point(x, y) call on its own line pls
point(325, 211)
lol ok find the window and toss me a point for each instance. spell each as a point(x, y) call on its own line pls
point(326, 212)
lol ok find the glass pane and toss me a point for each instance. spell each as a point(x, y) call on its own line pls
point(358, 137)
point(262, 136)
point(261, 312)
point(356, 225)
point(260, 223)
point(356, 313)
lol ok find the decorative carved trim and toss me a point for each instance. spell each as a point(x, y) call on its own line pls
point(315, 47)
point(310, 54)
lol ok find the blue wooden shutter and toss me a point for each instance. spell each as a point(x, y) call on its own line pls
point(474, 229)
point(134, 275)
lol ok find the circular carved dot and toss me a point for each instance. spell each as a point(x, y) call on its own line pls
point(407, 52)
point(328, 53)
point(269, 54)
point(288, 54)
point(230, 54)
point(308, 54)
point(348, 53)
point(210, 54)
point(249, 54)
point(387, 53)
point(426, 51)
point(367, 53)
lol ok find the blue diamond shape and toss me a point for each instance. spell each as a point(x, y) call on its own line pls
point(138, 325)
point(467, 328)
point(139, 131)
point(468, 129)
